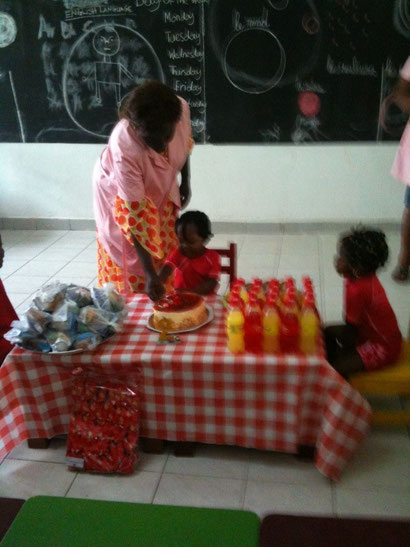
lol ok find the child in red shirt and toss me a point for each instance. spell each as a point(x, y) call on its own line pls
point(370, 339)
point(197, 269)
point(7, 314)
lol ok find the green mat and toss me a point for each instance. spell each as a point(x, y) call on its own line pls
point(57, 522)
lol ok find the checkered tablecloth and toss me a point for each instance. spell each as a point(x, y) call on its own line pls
point(194, 391)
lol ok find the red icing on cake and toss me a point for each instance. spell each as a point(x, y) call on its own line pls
point(178, 302)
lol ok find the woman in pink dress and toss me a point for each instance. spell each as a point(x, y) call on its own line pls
point(401, 171)
point(136, 192)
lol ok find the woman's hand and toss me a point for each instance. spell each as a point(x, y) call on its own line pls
point(185, 194)
point(154, 288)
point(185, 186)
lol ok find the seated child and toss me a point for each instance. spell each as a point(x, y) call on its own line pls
point(197, 269)
point(7, 314)
point(370, 339)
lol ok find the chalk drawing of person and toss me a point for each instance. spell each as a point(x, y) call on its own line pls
point(107, 72)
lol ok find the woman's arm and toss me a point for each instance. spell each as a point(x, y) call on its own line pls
point(185, 186)
point(401, 95)
point(165, 272)
point(153, 287)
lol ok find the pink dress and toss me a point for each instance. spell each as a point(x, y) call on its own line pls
point(401, 165)
point(136, 192)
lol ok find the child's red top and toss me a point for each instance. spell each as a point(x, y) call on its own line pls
point(368, 309)
point(191, 272)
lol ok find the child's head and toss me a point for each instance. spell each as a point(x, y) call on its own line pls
point(361, 252)
point(193, 230)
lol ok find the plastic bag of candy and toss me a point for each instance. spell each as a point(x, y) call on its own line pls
point(49, 297)
point(80, 295)
point(99, 321)
point(37, 319)
point(103, 431)
point(108, 299)
point(65, 317)
point(23, 335)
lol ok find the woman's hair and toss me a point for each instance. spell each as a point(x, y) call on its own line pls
point(151, 105)
point(199, 220)
point(364, 249)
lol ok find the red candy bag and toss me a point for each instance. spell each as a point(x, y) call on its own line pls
point(103, 432)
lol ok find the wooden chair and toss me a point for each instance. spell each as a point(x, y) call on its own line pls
point(230, 267)
point(394, 380)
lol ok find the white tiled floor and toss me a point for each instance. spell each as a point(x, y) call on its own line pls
point(375, 483)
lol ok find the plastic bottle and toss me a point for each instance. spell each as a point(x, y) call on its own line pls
point(233, 294)
point(309, 325)
point(240, 282)
point(289, 324)
point(257, 290)
point(235, 322)
point(271, 326)
point(253, 326)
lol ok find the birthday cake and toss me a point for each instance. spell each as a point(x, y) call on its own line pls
point(179, 311)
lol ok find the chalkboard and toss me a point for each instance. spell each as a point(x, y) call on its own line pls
point(252, 71)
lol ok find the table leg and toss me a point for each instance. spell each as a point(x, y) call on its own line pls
point(184, 449)
point(152, 446)
point(306, 452)
point(38, 443)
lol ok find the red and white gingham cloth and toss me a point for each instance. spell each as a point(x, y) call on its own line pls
point(194, 391)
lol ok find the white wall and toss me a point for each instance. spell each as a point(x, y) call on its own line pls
point(273, 183)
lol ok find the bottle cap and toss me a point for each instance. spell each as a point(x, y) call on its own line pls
point(271, 301)
point(236, 301)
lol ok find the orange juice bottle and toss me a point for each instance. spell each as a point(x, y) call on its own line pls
point(243, 293)
point(309, 325)
point(271, 326)
point(289, 325)
point(235, 322)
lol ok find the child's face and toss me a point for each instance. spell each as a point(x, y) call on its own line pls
point(1, 253)
point(341, 265)
point(190, 243)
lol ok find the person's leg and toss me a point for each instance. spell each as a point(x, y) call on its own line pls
point(338, 339)
point(401, 271)
point(348, 363)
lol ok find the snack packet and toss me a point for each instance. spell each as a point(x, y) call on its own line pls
point(80, 295)
point(37, 319)
point(49, 297)
point(108, 298)
point(99, 321)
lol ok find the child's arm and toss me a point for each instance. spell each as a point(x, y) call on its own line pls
point(206, 287)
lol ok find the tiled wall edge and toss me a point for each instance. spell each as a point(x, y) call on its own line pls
point(217, 227)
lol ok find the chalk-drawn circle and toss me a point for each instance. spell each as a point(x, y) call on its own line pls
point(309, 103)
point(85, 77)
point(310, 23)
point(278, 4)
point(254, 60)
point(8, 29)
